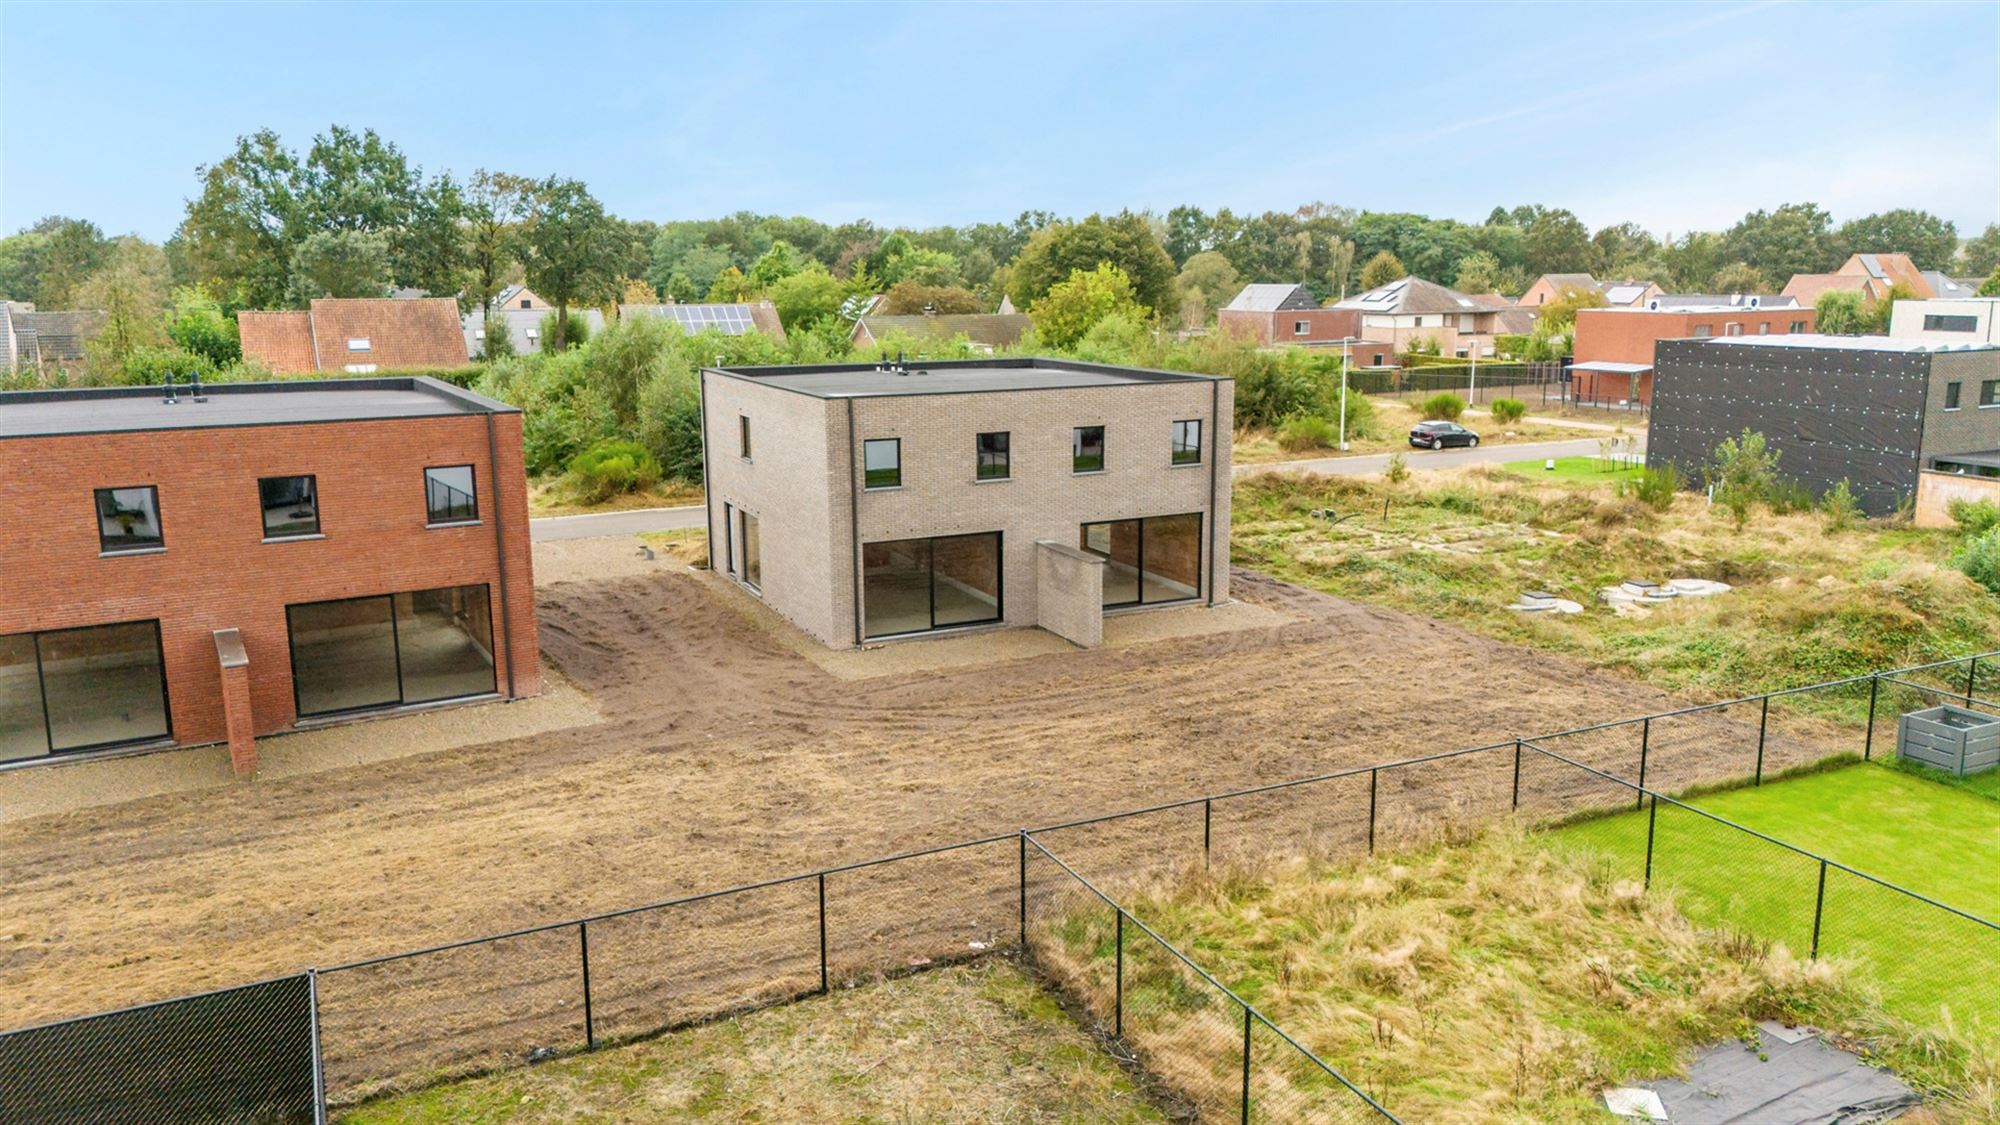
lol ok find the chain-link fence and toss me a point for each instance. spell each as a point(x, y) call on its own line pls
point(387, 1024)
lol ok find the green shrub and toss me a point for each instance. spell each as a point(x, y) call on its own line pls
point(1509, 410)
point(1443, 406)
point(670, 424)
point(1302, 432)
point(1742, 472)
point(612, 468)
point(1974, 517)
point(1787, 496)
point(1398, 470)
point(1841, 509)
point(1657, 487)
point(576, 334)
point(1979, 558)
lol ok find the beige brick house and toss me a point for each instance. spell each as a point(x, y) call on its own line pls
point(864, 502)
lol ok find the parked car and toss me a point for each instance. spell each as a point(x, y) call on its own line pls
point(1437, 435)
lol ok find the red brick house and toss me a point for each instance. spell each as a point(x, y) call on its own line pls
point(184, 569)
point(1286, 314)
point(355, 335)
point(1614, 347)
point(1871, 275)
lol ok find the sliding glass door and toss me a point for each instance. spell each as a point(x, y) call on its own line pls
point(82, 689)
point(424, 646)
point(1147, 561)
point(916, 585)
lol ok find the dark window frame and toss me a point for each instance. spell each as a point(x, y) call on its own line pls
point(96, 504)
point(1182, 446)
point(396, 637)
point(1951, 322)
point(313, 488)
point(1076, 455)
point(1201, 557)
point(430, 514)
point(41, 685)
point(983, 459)
point(930, 543)
point(743, 436)
point(868, 485)
point(745, 519)
point(729, 538)
point(1951, 394)
point(1989, 392)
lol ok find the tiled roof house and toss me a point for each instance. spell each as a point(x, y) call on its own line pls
point(356, 335)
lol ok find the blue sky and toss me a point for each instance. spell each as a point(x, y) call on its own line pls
point(1675, 116)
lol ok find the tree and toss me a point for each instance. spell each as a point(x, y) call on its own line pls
point(701, 266)
point(45, 263)
point(1558, 315)
point(1840, 312)
point(1381, 269)
point(921, 265)
point(806, 296)
point(1624, 250)
point(495, 205)
point(1340, 267)
point(781, 261)
point(556, 339)
point(1738, 277)
point(1794, 239)
point(345, 263)
point(566, 251)
point(1742, 472)
point(1125, 240)
point(730, 287)
point(1981, 256)
point(1071, 308)
point(1928, 240)
point(196, 325)
point(1189, 232)
point(131, 290)
point(1207, 282)
point(1478, 272)
point(432, 249)
point(1690, 263)
point(1991, 286)
point(1558, 242)
point(240, 230)
point(907, 298)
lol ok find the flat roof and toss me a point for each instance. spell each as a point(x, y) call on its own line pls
point(1611, 367)
point(100, 410)
point(1986, 457)
point(1849, 343)
point(945, 377)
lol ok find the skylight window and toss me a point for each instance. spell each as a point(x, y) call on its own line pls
point(359, 344)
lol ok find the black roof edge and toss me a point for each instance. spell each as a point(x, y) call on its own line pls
point(1025, 362)
point(469, 402)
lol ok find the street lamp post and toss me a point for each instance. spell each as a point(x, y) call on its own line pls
point(1346, 360)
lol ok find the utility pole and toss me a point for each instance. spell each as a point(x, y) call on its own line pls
point(1346, 360)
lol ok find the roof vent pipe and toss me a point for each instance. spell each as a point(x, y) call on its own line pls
point(194, 381)
point(170, 400)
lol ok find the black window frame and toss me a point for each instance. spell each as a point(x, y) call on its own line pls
point(743, 436)
point(96, 512)
point(312, 488)
point(430, 513)
point(1989, 392)
point(868, 485)
point(984, 459)
point(1951, 322)
point(1076, 455)
point(745, 519)
point(931, 541)
point(1201, 575)
point(41, 685)
point(1951, 394)
point(1183, 445)
point(396, 638)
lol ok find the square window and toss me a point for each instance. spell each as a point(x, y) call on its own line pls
point(1704, 330)
point(290, 506)
point(1764, 329)
point(1732, 329)
point(449, 496)
point(1951, 396)
point(1798, 326)
point(1989, 392)
point(359, 344)
point(1302, 328)
point(743, 435)
point(882, 463)
point(1087, 449)
point(994, 461)
point(1187, 442)
point(128, 519)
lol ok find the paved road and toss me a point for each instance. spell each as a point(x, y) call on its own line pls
point(1433, 458)
point(614, 523)
point(671, 519)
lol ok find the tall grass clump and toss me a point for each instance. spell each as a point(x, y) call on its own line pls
point(1657, 486)
point(611, 468)
point(1442, 407)
point(1303, 432)
point(1509, 410)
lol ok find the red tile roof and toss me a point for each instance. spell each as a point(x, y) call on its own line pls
point(280, 341)
point(416, 333)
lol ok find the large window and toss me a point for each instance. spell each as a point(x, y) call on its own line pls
point(128, 519)
point(916, 585)
point(1187, 443)
point(290, 506)
point(753, 553)
point(1951, 395)
point(417, 647)
point(1147, 561)
point(1934, 322)
point(1989, 392)
point(81, 689)
point(743, 435)
point(882, 463)
point(1087, 449)
point(994, 457)
point(450, 496)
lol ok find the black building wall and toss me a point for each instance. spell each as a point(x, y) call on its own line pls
point(1831, 413)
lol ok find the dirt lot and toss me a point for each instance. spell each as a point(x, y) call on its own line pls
point(726, 757)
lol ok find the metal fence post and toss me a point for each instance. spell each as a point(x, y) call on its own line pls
point(1207, 822)
point(1819, 908)
point(822, 934)
point(1246, 1064)
point(1371, 810)
point(1517, 774)
point(1118, 997)
point(1971, 674)
point(1645, 750)
point(1763, 723)
point(318, 1059)
point(589, 1025)
point(1874, 687)
point(1652, 818)
point(1024, 891)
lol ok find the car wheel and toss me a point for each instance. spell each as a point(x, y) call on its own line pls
point(1437, 443)
point(1473, 442)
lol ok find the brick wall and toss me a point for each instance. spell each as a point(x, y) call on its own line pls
point(1069, 593)
point(1936, 491)
point(216, 571)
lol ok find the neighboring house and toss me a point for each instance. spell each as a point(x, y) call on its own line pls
point(520, 298)
point(1966, 320)
point(189, 569)
point(1871, 275)
point(31, 341)
point(1617, 294)
point(1613, 360)
point(524, 326)
point(987, 331)
point(1880, 413)
point(1286, 314)
point(730, 320)
point(1723, 300)
point(864, 502)
point(357, 335)
point(1951, 288)
point(1411, 309)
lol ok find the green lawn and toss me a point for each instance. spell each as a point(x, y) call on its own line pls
point(1936, 840)
point(1587, 470)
